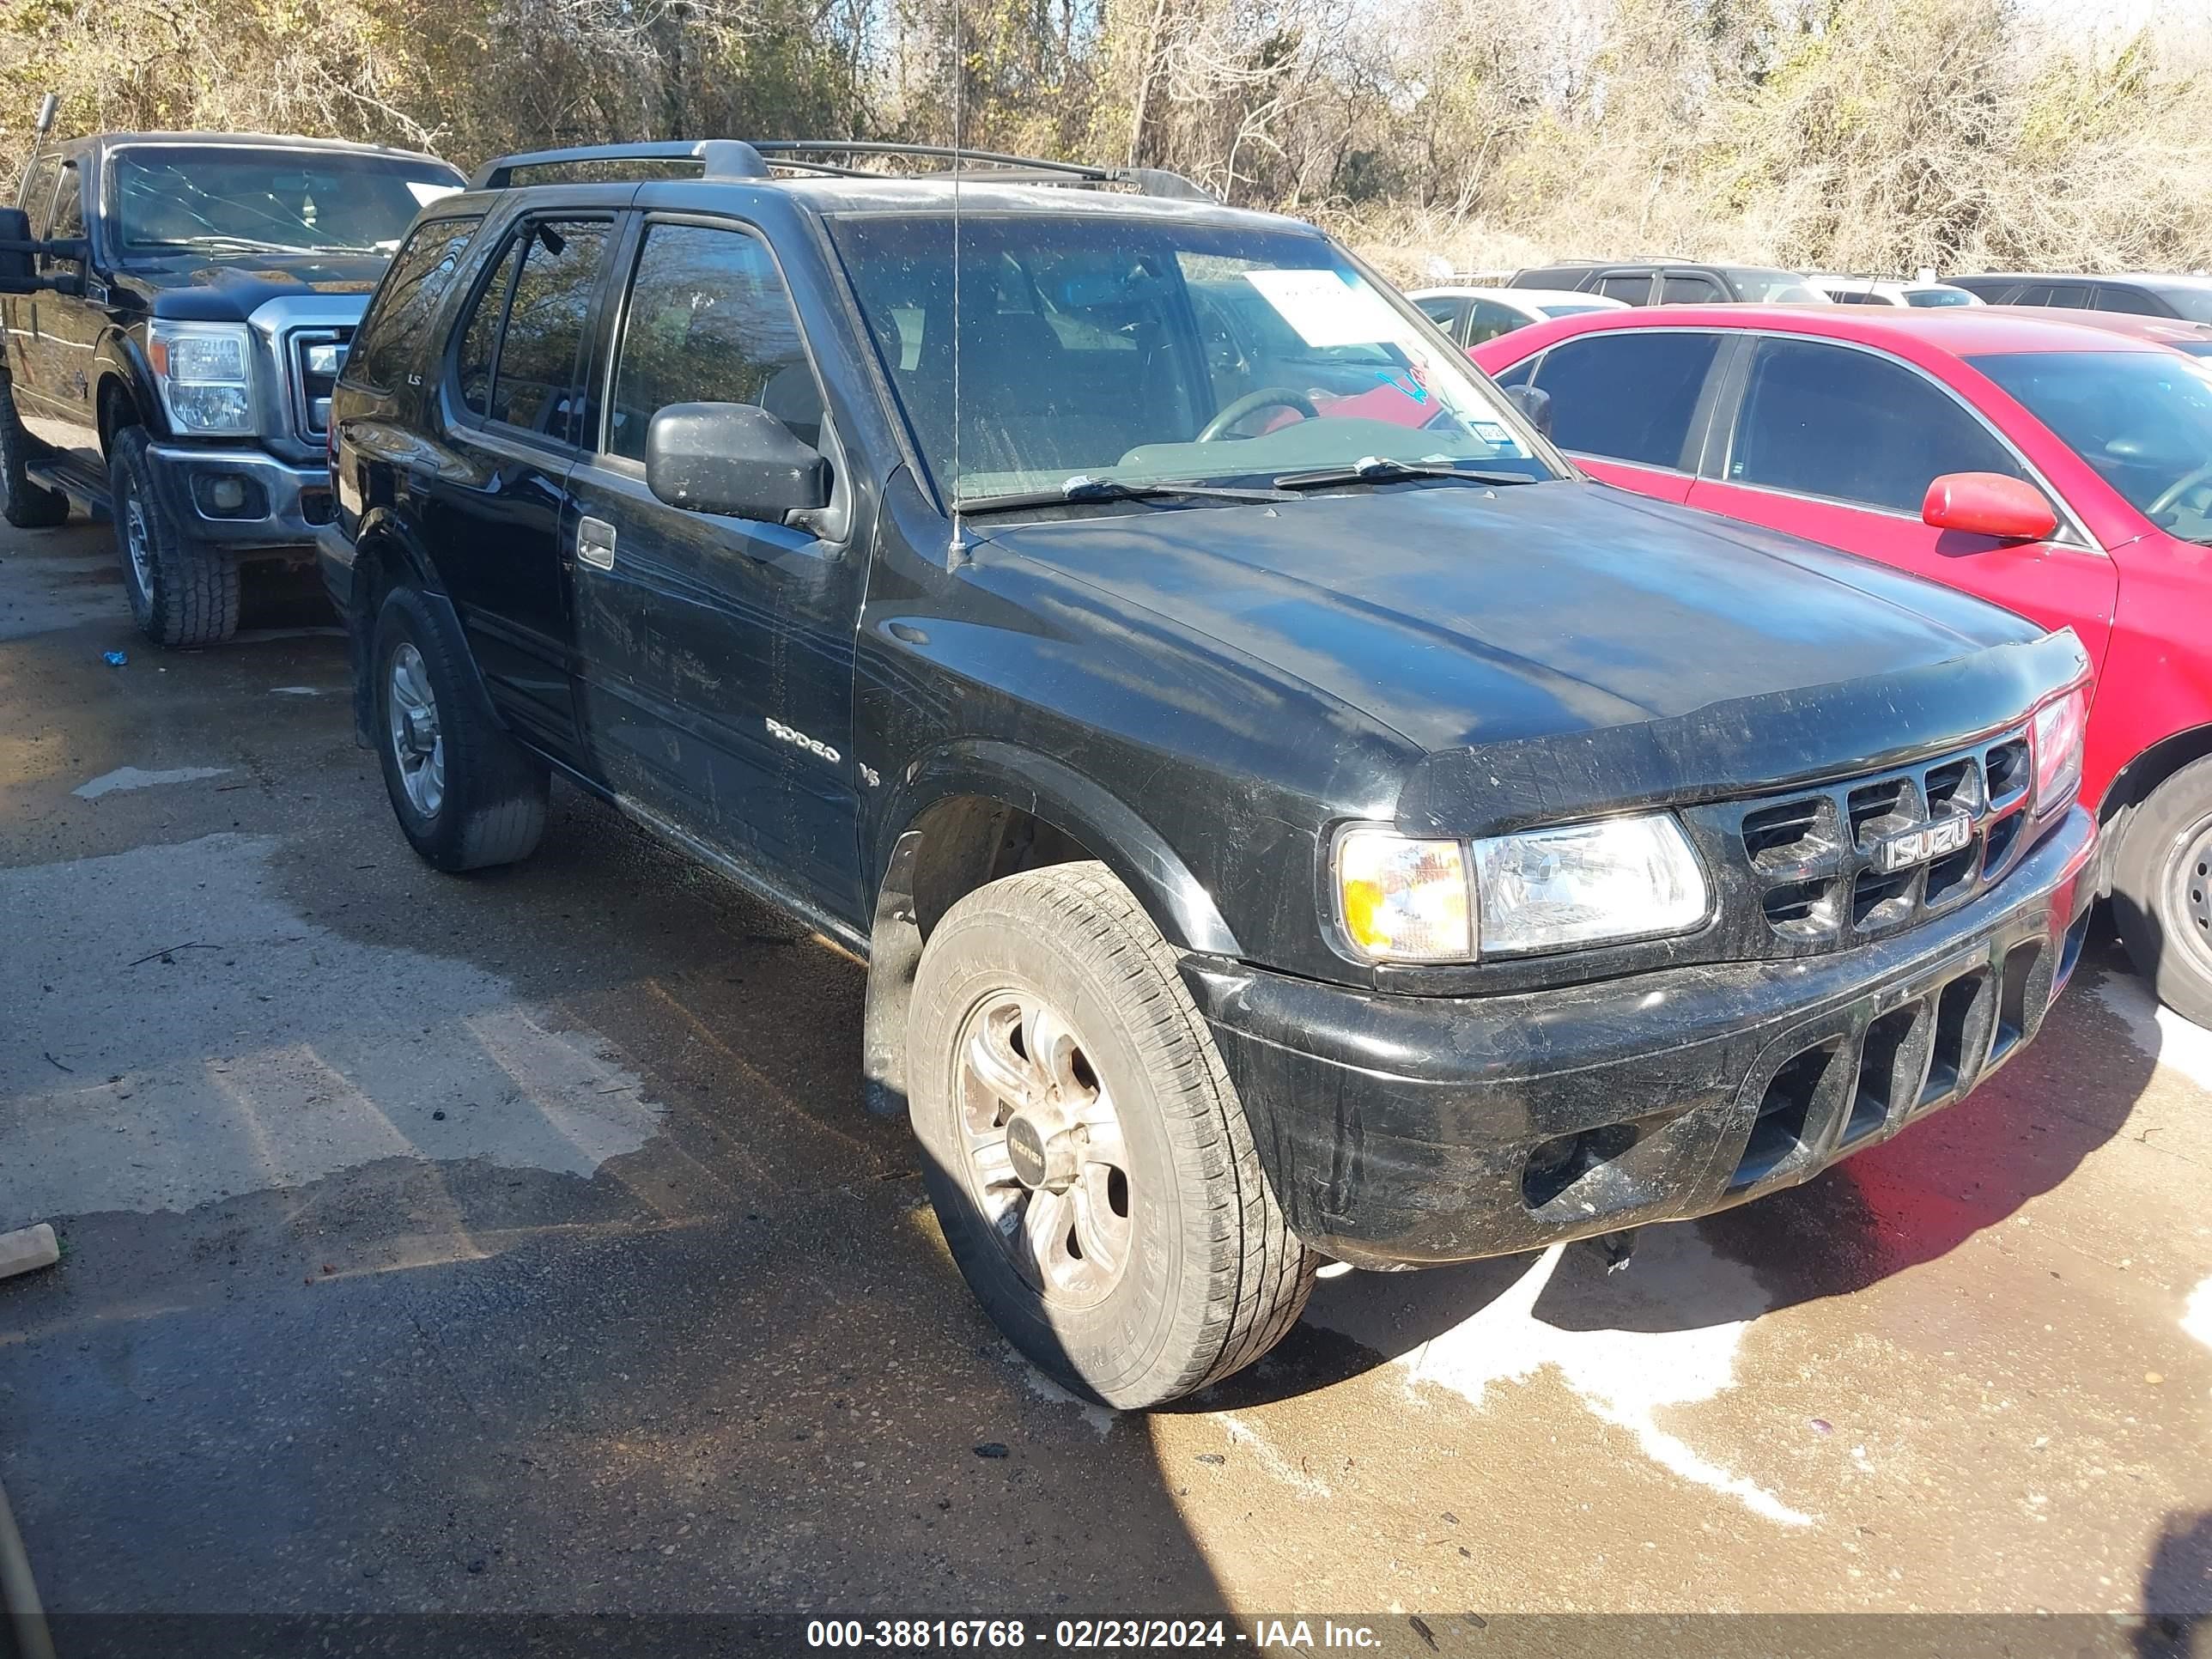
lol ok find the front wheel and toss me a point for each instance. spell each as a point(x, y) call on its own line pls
point(466, 795)
point(1087, 1155)
point(2162, 890)
point(183, 590)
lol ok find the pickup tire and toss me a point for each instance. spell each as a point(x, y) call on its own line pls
point(1116, 1223)
point(2162, 890)
point(183, 592)
point(25, 505)
point(467, 795)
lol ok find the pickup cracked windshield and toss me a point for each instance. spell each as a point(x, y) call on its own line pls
point(179, 197)
point(1097, 359)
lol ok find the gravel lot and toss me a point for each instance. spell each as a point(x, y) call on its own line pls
point(518, 1243)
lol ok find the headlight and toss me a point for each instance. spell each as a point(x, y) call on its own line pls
point(1404, 899)
point(205, 371)
point(2055, 736)
point(1587, 884)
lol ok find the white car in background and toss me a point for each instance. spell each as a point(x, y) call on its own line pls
point(1471, 315)
point(1864, 291)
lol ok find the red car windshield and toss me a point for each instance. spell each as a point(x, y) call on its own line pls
point(2143, 419)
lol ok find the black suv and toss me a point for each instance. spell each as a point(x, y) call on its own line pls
point(1674, 282)
point(171, 348)
point(1286, 812)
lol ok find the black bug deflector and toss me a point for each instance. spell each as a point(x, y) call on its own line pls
point(1416, 1130)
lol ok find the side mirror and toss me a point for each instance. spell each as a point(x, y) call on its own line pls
point(1534, 402)
point(1988, 504)
point(19, 273)
point(735, 458)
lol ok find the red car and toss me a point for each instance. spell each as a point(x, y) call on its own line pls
point(2060, 469)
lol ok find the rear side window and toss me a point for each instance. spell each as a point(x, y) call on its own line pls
point(1444, 312)
point(709, 321)
point(2129, 300)
point(1633, 286)
point(2073, 295)
point(1627, 397)
point(394, 336)
point(535, 379)
point(480, 334)
point(1823, 420)
point(1688, 288)
point(1487, 320)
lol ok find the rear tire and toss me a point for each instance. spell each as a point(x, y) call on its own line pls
point(183, 590)
point(1117, 1226)
point(25, 505)
point(466, 795)
point(2162, 890)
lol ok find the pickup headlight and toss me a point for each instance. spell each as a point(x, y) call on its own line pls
point(1406, 899)
point(2055, 738)
point(205, 372)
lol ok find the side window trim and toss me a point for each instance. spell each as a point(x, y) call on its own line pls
point(1720, 449)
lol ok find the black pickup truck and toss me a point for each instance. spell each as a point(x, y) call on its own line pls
point(172, 345)
point(1287, 812)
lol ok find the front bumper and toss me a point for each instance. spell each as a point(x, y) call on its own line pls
point(1406, 1131)
point(283, 507)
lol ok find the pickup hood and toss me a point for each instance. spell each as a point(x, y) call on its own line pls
point(197, 288)
point(1464, 618)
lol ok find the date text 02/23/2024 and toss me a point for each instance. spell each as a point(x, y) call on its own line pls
point(1005, 1635)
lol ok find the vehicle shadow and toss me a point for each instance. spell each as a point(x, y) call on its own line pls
point(2177, 1592)
point(1909, 1201)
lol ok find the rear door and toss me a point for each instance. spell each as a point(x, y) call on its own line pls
point(513, 409)
point(716, 652)
point(1631, 406)
point(1839, 444)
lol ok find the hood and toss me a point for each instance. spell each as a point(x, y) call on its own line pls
point(198, 288)
point(1464, 618)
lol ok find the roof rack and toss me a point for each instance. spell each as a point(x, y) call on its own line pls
point(734, 158)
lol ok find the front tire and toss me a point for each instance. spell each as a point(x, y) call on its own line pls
point(1087, 1155)
point(2162, 890)
point(25, 505)
point(183, 592)
point(466, 795)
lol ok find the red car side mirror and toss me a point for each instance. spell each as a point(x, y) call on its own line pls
point(1988, 504)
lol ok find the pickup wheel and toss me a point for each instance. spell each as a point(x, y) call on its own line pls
point(1085, 1149)
point(466, 795)
point(25, 505)
point(2162, 890)
point(183, 592)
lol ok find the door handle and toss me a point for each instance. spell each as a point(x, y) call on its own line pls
point(595, 544)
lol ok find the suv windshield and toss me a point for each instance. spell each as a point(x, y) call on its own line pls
point(226, 197)
point(1127, 350)
point(2143, 419)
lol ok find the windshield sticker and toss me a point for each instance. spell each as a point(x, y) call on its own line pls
point(1325, 309)
point(1405, 380)
point(424, 194)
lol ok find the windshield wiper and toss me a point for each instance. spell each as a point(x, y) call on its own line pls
point(1373, 468)
point(1082, 490)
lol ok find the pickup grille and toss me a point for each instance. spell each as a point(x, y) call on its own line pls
point(312, 388)
point(1865, 857)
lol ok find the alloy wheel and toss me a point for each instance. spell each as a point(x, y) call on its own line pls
point(411, 711)
point(1047, 1162)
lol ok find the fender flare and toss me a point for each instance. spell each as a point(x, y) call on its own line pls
point(1079, 807)
point(1180, 905)
point(119, 358)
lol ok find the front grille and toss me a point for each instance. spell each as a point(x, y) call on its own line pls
point(1856, 860)
point(312, 387)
